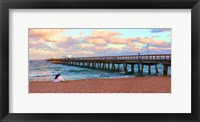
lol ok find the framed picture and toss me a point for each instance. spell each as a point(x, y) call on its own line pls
point(99, 60)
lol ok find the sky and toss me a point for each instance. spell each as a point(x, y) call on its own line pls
point(59, 43)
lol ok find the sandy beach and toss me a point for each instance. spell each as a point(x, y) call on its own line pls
point(152, 84)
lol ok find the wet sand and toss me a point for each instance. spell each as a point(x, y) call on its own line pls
point(151, 84)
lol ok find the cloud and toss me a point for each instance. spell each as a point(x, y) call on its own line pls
point(48, 35)
point(89, 46)
point(38, 44)
point(71, 41)
point(99, 37)
point(104, 34)
point(158, 49)
point(153, 42)
point(160, 30)
point(96, 41)
point(55, 38)
point(118, 40)
point(99, 48)
point(35, 44)
point(79, 52)
point(38, 54)
point(44, 32)
point(38, 51)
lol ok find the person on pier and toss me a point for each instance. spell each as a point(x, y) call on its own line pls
point(139, 56)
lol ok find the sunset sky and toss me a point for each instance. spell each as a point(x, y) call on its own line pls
point(57, 43)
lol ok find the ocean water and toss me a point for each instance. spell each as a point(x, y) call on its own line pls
point(40, 70)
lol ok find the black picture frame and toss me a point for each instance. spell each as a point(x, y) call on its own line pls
point(5, 5)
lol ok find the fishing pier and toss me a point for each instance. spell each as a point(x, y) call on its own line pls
point(114, 62)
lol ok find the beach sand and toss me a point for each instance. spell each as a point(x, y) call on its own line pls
point(151, 84)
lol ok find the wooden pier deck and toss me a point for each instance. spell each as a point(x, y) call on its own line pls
point(114, 62)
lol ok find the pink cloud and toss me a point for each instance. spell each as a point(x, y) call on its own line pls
point(99, 48)
point(78, 52)
point(104, 34)
point(87, 46)
point(153, 42)
point(47, 35)
point(44, 32)
point(133, 44)
point(118, 40)
point(96, 41)
point(158, 49)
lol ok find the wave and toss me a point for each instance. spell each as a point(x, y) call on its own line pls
point(41, 75)
point(104, 75)
point(78, 71)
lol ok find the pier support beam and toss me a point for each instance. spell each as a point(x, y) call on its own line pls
point(103, 67)
point(132, 68)
point(156, 68)
point(119, 67)
point(139, 68)
point(165, 69)
point(113, 66)
point(141, 72)
point(149, 69)
point(125, 67)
